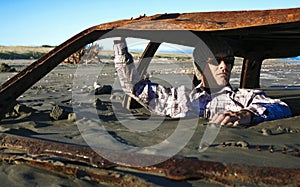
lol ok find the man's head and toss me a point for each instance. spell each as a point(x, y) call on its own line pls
point(213, 62)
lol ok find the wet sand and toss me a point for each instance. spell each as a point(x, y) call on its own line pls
point(280, 79)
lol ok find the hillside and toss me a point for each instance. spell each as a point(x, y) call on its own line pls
point(23, 52)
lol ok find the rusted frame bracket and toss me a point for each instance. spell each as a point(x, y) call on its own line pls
point(146, 58)
point(173, 168)
point(250, 75)
point(97, 175)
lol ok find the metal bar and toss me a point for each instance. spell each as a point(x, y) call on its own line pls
point(173, 168)
point(250, 75)
point(102, 176)
point(146, 58)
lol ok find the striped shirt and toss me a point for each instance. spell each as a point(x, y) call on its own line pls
point(183, 102)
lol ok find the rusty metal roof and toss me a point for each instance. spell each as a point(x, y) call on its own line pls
point(209, 21)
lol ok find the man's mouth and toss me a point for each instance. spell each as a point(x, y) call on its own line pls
point(222, 74)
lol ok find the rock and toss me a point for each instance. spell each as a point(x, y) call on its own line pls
point(271, 148)
point(72, 117)
point(105, 89)
point(59, 113)
point(6, 68)
point(4, 129)
point(17, 110)
point(296, 152)
point(242, 144)
point(100, 105)
point(266, 132)
point(97, 103)
point(287, 130)
point(228, 143)
point(279, 128)
point(258, 148)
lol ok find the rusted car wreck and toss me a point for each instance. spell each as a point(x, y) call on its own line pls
point(254, 36)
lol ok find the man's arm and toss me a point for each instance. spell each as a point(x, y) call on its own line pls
point(173, 102)
point(230, 118)
point(124, 65)
point(258, 108)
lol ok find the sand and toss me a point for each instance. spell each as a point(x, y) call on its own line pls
point(280, 79)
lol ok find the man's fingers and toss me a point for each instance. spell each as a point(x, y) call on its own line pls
point(226, 119)
point(214, 118)
point(236, 123)
point(230, 119)
point(220, 119)
point(217, 118)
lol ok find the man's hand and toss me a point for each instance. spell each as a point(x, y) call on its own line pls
point(230, 118)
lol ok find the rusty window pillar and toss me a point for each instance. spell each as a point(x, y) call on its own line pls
point(146, 58)
point(251, 72)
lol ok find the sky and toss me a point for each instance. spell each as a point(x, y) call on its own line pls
point(51, 22)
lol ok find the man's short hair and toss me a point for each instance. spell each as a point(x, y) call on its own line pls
point(207, 48)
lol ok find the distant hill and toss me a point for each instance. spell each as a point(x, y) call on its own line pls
point(23, 52)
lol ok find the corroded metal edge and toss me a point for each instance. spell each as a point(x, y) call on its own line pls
point(97, 175)
point(210, 21)
point(173, 168)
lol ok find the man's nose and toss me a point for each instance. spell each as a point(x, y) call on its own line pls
point(222, 65)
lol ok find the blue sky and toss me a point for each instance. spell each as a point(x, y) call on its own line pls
point(51, 22)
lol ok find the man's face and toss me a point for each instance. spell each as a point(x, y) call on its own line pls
point(217, 71)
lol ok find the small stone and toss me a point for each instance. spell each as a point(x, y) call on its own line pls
point(72, 117)
point(58, 163)
point(228, 143)
point(105, 89)
point(296, 152)
point(117, 175)
point(242, 144)
point(266, 132)
point(6, 68)
point(287, 130)
point(203, 146)
point(87, 178)
point(258, 148)
point(19, 109)
point(58, 113)
point(97, 103)
point(4, 129)
point(279, 128)
point(271, 149)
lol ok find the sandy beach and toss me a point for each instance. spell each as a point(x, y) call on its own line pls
point(269, 144)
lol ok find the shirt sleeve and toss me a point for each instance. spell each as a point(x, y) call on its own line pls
point(126, 70)
point(265, 108)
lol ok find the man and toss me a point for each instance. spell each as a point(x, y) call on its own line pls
point(212, 98)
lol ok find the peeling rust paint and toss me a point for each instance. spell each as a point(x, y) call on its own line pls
point(173, 168)
point(212, 21)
